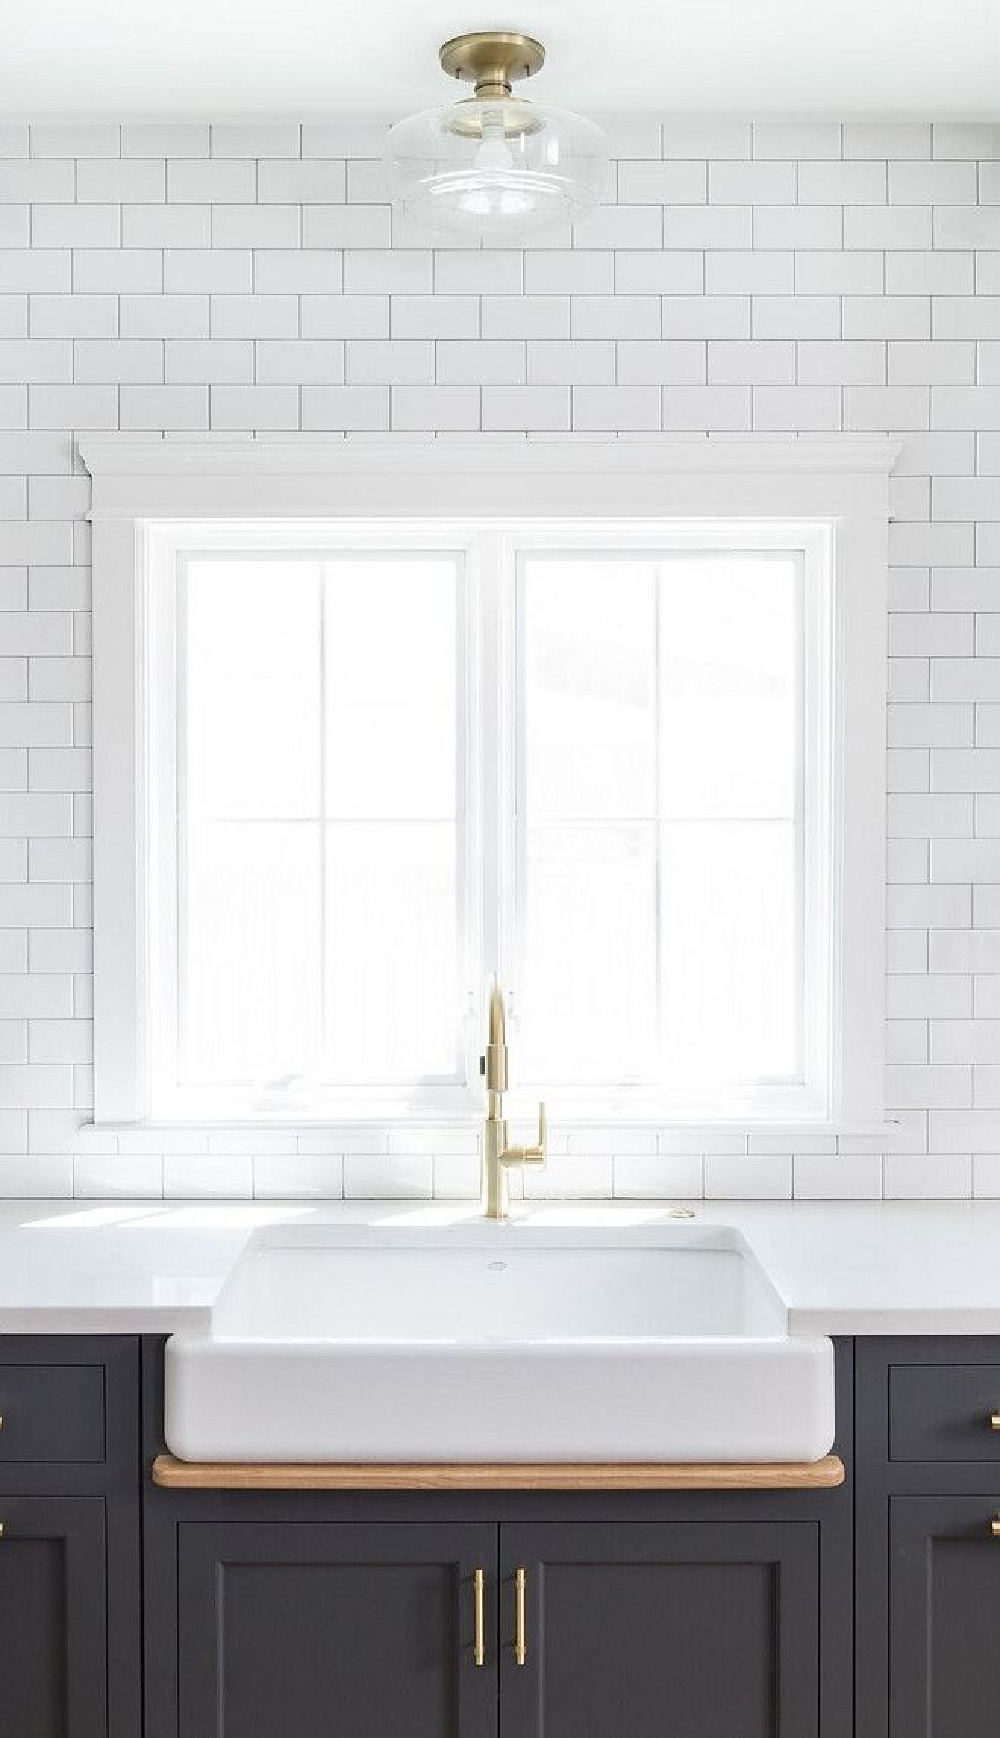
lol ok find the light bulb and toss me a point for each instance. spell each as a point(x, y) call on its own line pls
point(494, 153)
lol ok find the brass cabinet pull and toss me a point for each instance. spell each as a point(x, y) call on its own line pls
point(995, 1527)
point(479, 1643)
point(995, 1420)
point(520, 1616)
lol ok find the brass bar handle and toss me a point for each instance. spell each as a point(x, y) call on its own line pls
point(479, 1641)
point(521, 1615)
point(541, 1151)
point(995, 1420)
point(531, 1155)
point(995, 1527)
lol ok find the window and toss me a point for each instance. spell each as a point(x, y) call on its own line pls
point(621, 758)
point(660, 814)
point(310, 919)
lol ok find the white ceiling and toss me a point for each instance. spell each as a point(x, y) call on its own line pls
point(284, 57)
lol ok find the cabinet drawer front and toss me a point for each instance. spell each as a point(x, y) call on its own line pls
point(943, 1412)
point(51, 1412)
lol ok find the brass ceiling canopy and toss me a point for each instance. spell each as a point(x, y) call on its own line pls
point(491, 60)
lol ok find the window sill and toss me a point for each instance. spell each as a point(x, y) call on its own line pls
point(459, 1133)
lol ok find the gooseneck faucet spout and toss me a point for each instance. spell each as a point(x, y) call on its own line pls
point(496, 1157)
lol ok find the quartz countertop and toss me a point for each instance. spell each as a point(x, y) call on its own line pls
point(134, 1267)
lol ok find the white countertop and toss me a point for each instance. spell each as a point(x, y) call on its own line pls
point(929, 1267)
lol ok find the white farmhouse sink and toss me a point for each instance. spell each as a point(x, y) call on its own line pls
point(498, 1344)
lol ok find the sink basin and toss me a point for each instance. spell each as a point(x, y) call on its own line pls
point(488, 1343)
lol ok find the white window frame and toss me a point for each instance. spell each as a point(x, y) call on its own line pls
point(169, 547)
point(811, 543)
point(151, 496)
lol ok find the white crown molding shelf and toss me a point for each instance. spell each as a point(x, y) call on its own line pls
point(125, 455)
point(142, 477)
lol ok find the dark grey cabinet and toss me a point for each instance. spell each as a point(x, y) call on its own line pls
point(701, 1629)
point(53, 1617)
point(303, 1630)
point(70, 1590)
point(625, 1615)
point(944, 1617)
point(325, 1614)
point(299, 1629)
point(927, 1566)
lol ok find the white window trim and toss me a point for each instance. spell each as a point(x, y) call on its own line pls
point(491, 877)
point(812, 543)
point(838, 484)
point(168, 545)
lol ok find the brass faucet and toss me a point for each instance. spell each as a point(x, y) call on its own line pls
point(496, 1156)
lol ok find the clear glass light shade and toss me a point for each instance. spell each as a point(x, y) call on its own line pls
point(497, 167)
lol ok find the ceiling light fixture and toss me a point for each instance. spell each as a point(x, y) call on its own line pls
point(495, 165)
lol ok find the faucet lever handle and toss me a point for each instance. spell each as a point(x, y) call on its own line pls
point(534, 1155)
point(543, 1130)
point(538, 1154)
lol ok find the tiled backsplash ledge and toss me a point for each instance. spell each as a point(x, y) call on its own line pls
point(402, 1161)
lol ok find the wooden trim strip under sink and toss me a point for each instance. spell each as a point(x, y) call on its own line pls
point(180, 1475)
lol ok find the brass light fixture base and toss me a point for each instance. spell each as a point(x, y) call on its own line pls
point(491, 59)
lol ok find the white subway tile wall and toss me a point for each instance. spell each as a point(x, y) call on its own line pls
point(779, 277)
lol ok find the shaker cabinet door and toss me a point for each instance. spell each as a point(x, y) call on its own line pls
point(944, 1617)
point(696, 1629)
point(53, 1628)
point(299, 1630)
